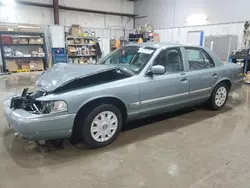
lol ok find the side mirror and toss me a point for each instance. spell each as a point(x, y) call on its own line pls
point(157, 69)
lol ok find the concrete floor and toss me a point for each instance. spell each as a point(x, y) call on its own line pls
point(190, 148)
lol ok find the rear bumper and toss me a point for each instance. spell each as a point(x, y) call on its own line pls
point(39, 127)
point(237, 84)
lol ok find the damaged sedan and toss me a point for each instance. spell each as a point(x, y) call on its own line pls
point(92, 103)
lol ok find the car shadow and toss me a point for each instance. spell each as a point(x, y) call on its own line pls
point(27, 155)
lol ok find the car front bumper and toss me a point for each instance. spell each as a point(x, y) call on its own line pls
point(39, 127)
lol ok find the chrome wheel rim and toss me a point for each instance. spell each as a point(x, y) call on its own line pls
point(220, 96)
point(104, 126)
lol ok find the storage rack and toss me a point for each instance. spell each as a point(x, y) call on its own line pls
point(113, 46)
point(70, 37)
point(23, 35)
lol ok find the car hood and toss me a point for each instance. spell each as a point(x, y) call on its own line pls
point(63, 73)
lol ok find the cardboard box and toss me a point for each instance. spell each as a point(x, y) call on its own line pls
point(23, 41)
point(15, 41)
point(77, 41)
point(29, 28)
point(34, 54)
point(247, 79)
point(82, 41)
point(36, 65)
point(25, 65)
point(76, 31)
point(156, 37)
point(71, 41)
point(8, 28)
point(35, 41)
point(33, 65)
point(40, 50)
point(12, 66)
point(19, 64)
point(72, 49)
point(41, 55)
point(39, 65)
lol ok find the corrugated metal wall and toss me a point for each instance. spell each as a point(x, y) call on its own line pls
point(44, 16)
point(180, 34)
point(175, 13)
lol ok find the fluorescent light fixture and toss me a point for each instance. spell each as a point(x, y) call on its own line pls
point(196, 19)
point(8, 2)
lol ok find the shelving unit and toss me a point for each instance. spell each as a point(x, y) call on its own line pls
point(74, 37)
point(81, 52)
point(80, 44)
point(25, 58)
point(244, 59)
point(77, 56)
point(22, 45)
point(29, 47)
point(113, 44)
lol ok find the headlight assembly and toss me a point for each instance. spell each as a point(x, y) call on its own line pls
point(53, 107)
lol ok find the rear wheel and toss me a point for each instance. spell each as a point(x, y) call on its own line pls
point(101, 125)
point(219, 96)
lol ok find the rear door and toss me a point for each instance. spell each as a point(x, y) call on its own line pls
point(203, 73)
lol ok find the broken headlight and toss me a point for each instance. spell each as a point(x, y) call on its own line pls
point(54, 107)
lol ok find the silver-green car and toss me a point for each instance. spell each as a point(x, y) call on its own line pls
point(91, 103)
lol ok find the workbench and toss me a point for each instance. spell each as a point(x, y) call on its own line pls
point(246, 60)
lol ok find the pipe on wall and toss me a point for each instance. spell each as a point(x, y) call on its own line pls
point(56, 12)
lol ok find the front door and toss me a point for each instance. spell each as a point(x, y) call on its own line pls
point(202, 73)
point(167, 91)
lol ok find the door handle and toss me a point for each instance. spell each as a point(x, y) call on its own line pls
point(214, 74)
point(184, 79)
point(183, 73)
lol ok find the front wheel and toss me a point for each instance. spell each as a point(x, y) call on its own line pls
point(102, 125)
point(219, 96)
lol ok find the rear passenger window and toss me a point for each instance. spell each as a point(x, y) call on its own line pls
point(198, 59)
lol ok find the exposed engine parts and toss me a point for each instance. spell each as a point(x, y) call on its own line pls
point(28, 102)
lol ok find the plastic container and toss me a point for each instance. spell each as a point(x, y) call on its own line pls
point(6, 40)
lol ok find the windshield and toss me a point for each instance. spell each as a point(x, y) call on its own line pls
point(132, 58)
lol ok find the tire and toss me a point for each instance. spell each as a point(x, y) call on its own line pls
point(219, 96)
point(100, 121)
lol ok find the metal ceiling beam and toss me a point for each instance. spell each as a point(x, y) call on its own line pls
point(74, 9)
point(96, 11)
point(34, 4)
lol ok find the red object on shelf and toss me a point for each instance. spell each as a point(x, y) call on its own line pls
point(6, 40)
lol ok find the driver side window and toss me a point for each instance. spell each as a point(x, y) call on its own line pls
point(171, 59)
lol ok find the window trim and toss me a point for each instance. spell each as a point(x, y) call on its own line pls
point(203, 52)
point(200, 50)
point(181, 56)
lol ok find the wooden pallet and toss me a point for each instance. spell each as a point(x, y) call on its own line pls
point(23, 70)
point(12, 71)
point(36, 70)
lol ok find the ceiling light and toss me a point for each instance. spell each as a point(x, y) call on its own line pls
point(197, 19)
point(8, 2)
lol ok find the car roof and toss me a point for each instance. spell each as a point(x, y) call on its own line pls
point(159, 45)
